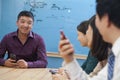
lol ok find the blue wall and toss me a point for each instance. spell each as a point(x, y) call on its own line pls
point(50, 17)
point(0, 13)
point(10, 9)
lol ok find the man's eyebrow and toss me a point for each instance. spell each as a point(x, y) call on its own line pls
point(21, 19)
point(25, 20)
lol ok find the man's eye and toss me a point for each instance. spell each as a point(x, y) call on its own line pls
point(22, 21)
point(29, 23)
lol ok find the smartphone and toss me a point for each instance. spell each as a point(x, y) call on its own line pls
point(13, 56)
point(62, 33)
point(53, 71)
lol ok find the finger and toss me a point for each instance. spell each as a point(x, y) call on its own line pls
point(67, 54)
point(22, 64)
point(70, 51)
point(11, 60)
point(66, 47)
point(60, 70)
point(13, 63)
point(20, 61)
point(62, 36)
point(63, 42)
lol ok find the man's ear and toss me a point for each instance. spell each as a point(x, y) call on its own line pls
point(17, 23)
point(107, 22)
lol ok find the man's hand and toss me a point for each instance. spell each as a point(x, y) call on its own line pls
point(22, 63)
point(10, 63)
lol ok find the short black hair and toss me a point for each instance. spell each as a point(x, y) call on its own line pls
point(26, 13)
point(111, 8)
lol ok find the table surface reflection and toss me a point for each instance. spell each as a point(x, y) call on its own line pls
point(24, 74)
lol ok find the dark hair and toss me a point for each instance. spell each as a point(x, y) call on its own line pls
point(111, 8)
point(83, 26)
point(25, 13)
point(99, 46)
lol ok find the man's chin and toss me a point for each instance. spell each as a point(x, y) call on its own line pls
point(106, 40)
point(25, 33)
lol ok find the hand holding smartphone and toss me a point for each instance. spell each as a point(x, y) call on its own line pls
point(64, 37)
point(13, 56)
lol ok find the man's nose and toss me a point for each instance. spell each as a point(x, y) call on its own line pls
point(26, 24)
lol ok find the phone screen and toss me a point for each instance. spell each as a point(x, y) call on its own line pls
point(53, 71)
point(13, 56)
point(62, 33)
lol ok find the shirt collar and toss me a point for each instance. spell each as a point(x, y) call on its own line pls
point(15, 34)
point(30, 34)
point(116, 47)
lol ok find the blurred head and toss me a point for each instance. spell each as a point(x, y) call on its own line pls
point(25, 22)
point(81, 30)
point(108, 13)
point(98, 46)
